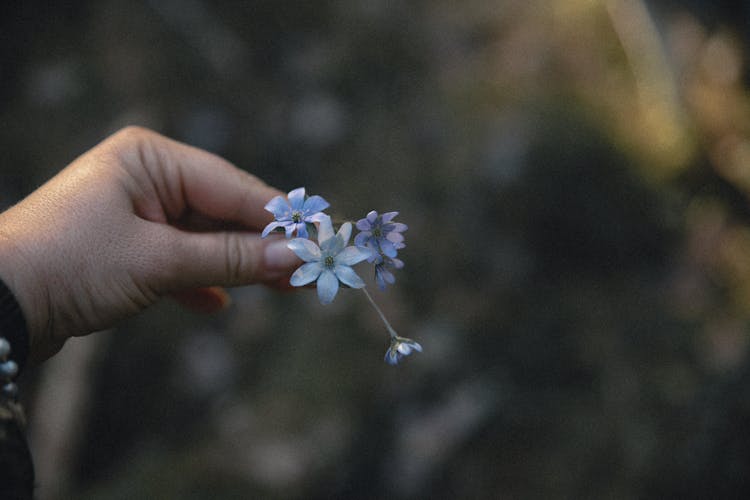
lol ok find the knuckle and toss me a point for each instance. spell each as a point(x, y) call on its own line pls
point(133, 138)
point(134, 148)
point(132, 133)
point(239, 266)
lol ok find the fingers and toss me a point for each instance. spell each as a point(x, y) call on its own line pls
point(227, 259)
point(193, 190)
point(204, 300)
point(187, 179)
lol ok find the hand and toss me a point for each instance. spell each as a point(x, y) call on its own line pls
point(135, 218)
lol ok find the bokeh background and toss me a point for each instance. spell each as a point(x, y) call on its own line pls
point(575, 175)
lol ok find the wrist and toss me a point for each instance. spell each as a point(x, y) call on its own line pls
point(23, 281)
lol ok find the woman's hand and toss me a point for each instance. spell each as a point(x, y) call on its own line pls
point(135, 218)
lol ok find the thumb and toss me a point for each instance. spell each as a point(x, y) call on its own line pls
point(227, 259)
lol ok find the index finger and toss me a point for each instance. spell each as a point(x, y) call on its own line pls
point(187, 179)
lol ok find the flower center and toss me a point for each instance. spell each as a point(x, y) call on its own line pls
point(296, 216)
point(328, 261)
point(377, 232)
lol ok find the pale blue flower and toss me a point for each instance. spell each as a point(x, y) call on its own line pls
point(380, 233)
point(328, 263)
point(295, 212)
point(400, 347)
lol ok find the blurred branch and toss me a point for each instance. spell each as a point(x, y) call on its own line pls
point(659, 99)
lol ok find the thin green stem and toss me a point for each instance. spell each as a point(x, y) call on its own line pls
point(391, 331)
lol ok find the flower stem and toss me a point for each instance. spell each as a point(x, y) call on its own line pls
point(391, 331)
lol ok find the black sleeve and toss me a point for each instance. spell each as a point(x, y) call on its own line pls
point(16, 466)
point(13, 326)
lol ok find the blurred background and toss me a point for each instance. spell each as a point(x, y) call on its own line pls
point(575, 176)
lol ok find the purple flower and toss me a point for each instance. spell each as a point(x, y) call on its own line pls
point(295, 213)
point(328, 263)
point(400, 347)
point(383, 266)
point(380, 233)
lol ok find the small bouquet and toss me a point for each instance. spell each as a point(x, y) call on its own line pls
point(330, 261)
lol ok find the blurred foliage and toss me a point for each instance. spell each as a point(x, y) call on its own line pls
point(575, 177)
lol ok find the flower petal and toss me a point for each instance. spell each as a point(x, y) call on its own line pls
point(325, 230)
point(306, 273)
point(317, 217)
point(315, 204)
point(374, 252)
point(328, 285)
point(345, 232)
point(397, 263)
point(379, 277)
point(352, 255)
point(364, 225)
point(338, 245)
point(301, 230)
point(395, 237)
point(411, 343)
point(392, 356)
point(387, 248)
point(404, 348)
point(332, 246)
point(297, 198)
point(305, 249)
point(387, 276)
point(289, 228)
point(361, 239)
point(278, 206)
point(273, 225)
point(347, 276)
point(398, 227)
point(371, 216)
point(388, 216)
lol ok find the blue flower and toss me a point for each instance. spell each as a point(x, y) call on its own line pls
point(400, 347)
point(380, 233)
point(328, 263)
point(383, 266)
point(295, 213)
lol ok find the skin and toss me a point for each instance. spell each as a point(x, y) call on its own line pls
point(136, 218)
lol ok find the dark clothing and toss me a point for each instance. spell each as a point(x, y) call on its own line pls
point(13, 326)
point(16, 467)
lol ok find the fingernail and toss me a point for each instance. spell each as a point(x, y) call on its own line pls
point(279, 257)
